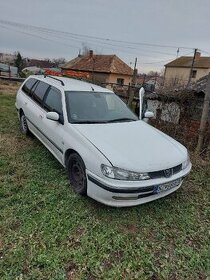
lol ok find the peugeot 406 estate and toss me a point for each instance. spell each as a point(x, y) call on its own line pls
point(109, 153)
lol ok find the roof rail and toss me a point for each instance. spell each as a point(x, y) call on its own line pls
point(55, 79)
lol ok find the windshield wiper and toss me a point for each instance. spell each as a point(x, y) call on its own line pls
point(83, 122)
point(122, 120)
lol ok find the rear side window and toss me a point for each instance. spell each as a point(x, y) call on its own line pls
point(39, 92)
point(53, 101)
point(28, 86)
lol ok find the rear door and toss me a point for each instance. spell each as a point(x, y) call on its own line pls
point(35, 111)
point(24, 95)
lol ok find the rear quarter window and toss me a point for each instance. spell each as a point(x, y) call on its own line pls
point(28, 86)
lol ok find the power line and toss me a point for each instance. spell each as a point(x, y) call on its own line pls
point(42, 29)
point(40, 37)
point(168, 60)
point(81, 41)
point(92, 39)
point(205, 51)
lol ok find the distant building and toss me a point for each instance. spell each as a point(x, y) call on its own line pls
point(39, 63)
point(179, 70)
point(7, 58)
point(150, 83)
point(8, 71)
point(107, 69)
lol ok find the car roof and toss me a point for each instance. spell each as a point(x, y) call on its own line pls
point(70, 84)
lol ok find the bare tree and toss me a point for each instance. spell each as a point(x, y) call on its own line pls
point(59, 61)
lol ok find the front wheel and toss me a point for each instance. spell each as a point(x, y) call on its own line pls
point(23, 124)
point(77, 174)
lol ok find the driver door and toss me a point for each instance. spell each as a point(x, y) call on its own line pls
point(54, 130)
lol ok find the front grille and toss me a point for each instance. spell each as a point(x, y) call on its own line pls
point(161, 173)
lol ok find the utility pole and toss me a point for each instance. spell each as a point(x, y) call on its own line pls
point(191, 69)
point(134, 73)
point(204, 117)
point(133, 83)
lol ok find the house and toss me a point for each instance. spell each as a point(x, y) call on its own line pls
point(7, 58)
point(180, 70)
point(103, 69)
point(39, 63)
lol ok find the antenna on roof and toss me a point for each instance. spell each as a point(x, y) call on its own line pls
point(177, 52)
point(92, 88)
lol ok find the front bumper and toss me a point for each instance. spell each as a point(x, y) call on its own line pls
point(119, 193)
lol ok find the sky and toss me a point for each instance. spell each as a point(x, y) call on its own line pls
point(149, 30)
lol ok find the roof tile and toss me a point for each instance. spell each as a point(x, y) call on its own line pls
point(99, 63)
point(186, 61)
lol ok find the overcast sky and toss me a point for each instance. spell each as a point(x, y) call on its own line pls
point(175, 23)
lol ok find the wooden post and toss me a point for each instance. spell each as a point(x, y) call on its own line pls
point(204, 117)
point(191, 69)
point(131, 92)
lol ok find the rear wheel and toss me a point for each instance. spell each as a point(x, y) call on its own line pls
point(23, 124)
point(77, 174)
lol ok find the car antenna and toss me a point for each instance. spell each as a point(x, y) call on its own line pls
point(92, 88)
point(55, 79)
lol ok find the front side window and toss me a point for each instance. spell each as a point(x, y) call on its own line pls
point(53, 101)
point(28, 86)
point(39, 91)
point(96, 107)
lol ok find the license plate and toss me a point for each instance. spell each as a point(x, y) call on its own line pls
point(167, 186)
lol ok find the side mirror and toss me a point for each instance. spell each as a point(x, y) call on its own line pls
point(53, 116)
point(148, 115)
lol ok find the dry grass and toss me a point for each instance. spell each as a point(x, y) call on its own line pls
point(9, 87)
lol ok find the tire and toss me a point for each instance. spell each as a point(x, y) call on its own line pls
point(77, 174)
point(23, 124)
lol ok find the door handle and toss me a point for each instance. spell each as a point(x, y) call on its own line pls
point(41, 117)
point(25, 103)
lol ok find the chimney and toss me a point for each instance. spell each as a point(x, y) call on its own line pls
point(91, 53)
point(197, 55)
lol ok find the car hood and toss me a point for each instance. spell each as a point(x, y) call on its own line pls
point(134, 146)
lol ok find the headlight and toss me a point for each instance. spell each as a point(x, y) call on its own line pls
point(121, 174)
point(186, 162)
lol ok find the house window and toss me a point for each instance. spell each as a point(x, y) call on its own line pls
point(194, 72)
point(120, 81)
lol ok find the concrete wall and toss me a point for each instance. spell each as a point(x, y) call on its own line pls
point(109, 78)
point(100, 77)
point(181, 75)
point(169, 112)
point(113, 78)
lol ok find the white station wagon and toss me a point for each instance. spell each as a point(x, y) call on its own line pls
point(110, 154)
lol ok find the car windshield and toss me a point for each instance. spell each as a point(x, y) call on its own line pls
point(97, 107)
